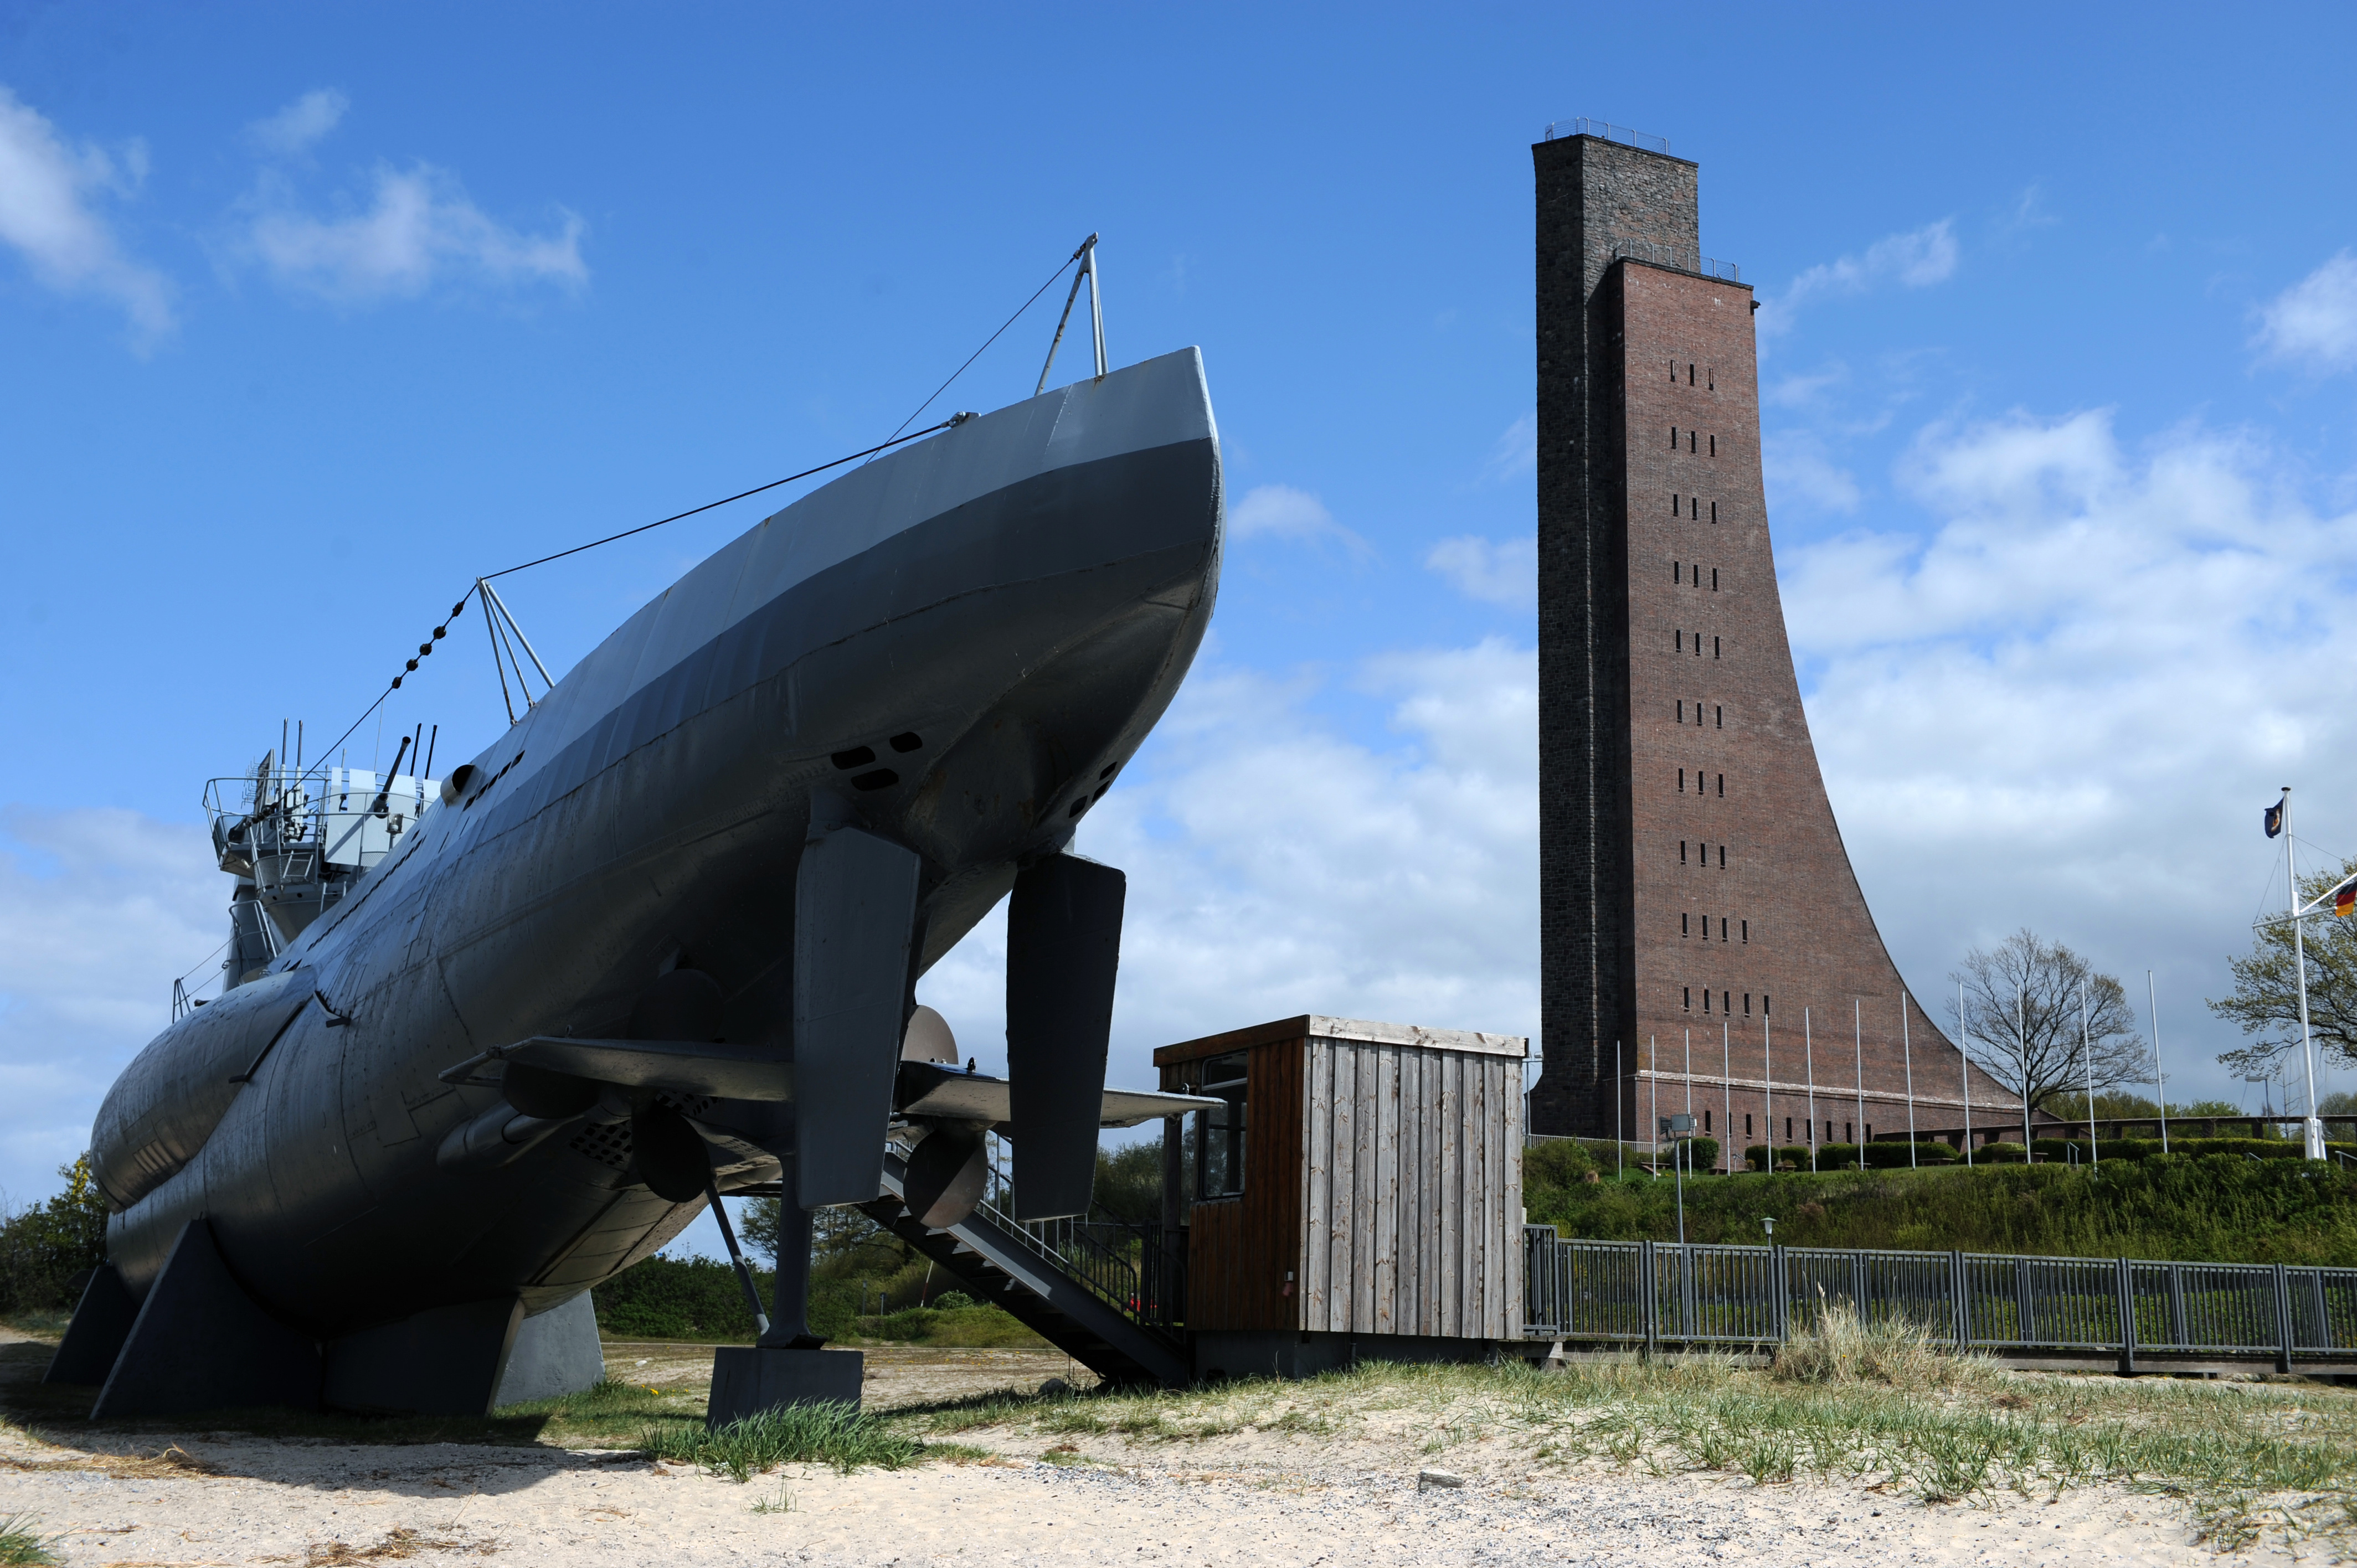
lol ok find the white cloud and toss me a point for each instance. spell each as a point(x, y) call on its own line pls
point(419, 228)
point(98, 909)
point(1799, 473)
point(49, 194)
point(2064, 703)
point(1516, 452)
point(2314, 322)
point(1917, 259)
point(1276, 867)
point(1502, 573)
point(1281, 511)
point(294, 129)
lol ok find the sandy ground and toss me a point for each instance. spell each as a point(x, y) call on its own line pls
point(897, 1374)
point(191, 1501)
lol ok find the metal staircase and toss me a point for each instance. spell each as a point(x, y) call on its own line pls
point(1075, 1285)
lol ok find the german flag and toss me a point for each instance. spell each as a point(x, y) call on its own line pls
point(2344, 902)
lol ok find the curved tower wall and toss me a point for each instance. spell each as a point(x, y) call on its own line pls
point(1698, 909)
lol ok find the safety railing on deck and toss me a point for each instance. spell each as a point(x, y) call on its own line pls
point(1651, 1294)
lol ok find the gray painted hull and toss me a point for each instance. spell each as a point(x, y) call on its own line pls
point(1021, 594)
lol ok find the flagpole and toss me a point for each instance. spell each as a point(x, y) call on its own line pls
point(1965, 1067)
point(1809, 1067)
point(2159, 1078)
point(2021, 1039)
point(2087, 1059)
point(1687, 1154)
point(1767, 1091)
point(1906, 1051)
point(2313, 1128)
point(1619, 1084)
point(1654, 1099)
point(1858, 1069)
point(1727, 1083)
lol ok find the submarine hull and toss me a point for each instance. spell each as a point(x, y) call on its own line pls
point(955, 649)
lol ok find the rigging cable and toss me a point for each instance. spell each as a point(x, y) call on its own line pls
point(994, 337)
point(896, 439)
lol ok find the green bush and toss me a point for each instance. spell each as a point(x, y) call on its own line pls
point(1794, 1154)
point(2222, 1207)
point(2000, 1153)
point(45, 1247)
point(677, 1298)
point(1896, 1156)
point(950, 1300)
point(1838, 1157)
point(1697, 1154)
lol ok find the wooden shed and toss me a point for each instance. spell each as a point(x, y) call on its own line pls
point(1361, 1193)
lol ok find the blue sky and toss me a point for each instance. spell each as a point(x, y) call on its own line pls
point(308, 314)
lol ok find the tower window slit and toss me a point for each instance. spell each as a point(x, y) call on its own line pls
point(1683, 918)
point(1674, 503)
point(1763, 1004)
point(1705, 999)
point(1690, 441)
point(1747, 936)
point(1722, 864)
point(1714, 511)
point(1678, 642)
point(1682, 852)
point(1706, 1121)
point(1681, 710)
point(1714, 579)
point(1747, 1005)
point(1673, 438)
point(1721, 712)
point(1713, 648)
point(1689, 991)
point(1690, 375)
point(1682, 781)
point(1714, 445)
point(1677, 573)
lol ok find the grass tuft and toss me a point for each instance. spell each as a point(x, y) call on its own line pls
point(837, 1434)
point(19, 1543)
point(1840, 1347)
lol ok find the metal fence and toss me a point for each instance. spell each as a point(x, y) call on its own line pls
point(1652, 1293)
point(1673, 256)
point(1605, 131)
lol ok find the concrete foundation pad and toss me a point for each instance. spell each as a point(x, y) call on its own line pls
point(747, 1379)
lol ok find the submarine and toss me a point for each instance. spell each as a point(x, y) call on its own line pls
point(488, 1038)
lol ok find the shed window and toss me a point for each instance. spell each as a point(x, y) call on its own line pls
point(1218, 1134)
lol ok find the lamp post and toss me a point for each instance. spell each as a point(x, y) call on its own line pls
point(1680, 1128)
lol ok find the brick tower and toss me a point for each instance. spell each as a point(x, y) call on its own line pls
point(1696, 901)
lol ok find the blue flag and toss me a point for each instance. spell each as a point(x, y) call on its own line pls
point(2273, 817)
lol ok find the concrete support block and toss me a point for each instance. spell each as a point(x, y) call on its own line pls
point(747, 1379)
point(556, 1353)
point(200, 1343)
point(101, 1322)
point(447, 1361)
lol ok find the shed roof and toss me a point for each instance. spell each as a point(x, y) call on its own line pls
point(1318, 1025)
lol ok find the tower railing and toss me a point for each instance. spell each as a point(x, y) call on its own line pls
point(1673, 256)
point(1604, 131)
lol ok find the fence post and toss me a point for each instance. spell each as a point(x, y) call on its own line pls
point(2177, 1305)
point(2283, 1319)
point(1649, 1290)
point(1858, 1284)
point(1960, 1302)
point(2128, 1320)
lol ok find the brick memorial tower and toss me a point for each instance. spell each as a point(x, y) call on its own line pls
point(1696, 900)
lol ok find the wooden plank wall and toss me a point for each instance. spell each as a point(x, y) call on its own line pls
point(1411, 1191)
point(1238, 1249)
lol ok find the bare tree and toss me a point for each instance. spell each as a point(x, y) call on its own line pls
point(2265, 1002)
point(2021, 1019)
